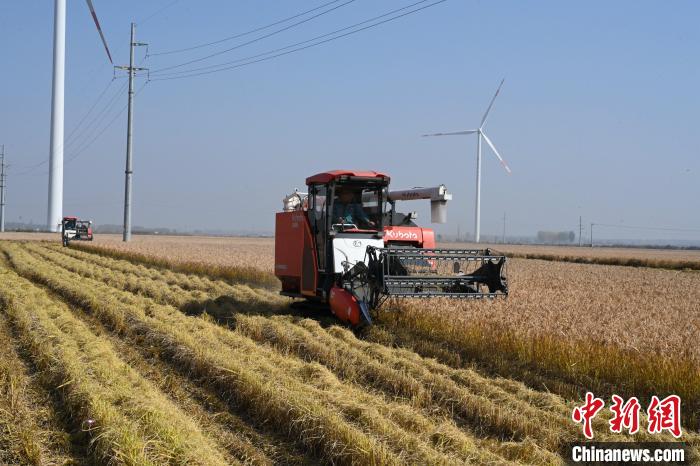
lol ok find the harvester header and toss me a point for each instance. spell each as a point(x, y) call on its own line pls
point(344, 244)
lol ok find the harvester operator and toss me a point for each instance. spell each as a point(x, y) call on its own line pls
point(347, 211)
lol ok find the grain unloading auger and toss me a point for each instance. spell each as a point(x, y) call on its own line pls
point(343, 244)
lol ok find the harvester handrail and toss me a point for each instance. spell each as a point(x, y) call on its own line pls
point(431, 279)
point(441, 254)
point(445, 257)
point(438, 294)
point(413, 250)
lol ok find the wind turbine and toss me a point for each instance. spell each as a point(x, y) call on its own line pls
point(480, 134)
point(55, 207)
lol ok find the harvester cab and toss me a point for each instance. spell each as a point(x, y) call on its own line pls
point(72, 228)
point(344, 244)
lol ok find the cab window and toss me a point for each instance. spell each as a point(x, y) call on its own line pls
point(356, 208)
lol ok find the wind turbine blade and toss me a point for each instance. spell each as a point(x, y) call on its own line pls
point(483, 120)
point(454, 133)
point(503, 162)
point(99, 29)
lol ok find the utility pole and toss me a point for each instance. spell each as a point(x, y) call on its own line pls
point(504, 228)
point(591, 235)
point(3, 181)
point(580, 230)
point(129, 127)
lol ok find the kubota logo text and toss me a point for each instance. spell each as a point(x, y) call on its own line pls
point(398, 234)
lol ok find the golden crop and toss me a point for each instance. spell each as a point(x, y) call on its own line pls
point(162, 360)
point(673, 259)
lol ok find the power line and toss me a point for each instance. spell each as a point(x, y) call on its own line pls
point(92, 107)
point(32, 168)
point(301, 48)
point(111, 122)
point(157, 12)
point(269, 52)
point(93, 125)
point(242, 34)
point(84, 147)
point(88, 131)
point(66, 142)
point(257, 39)
point(97, 120)
point(106, 109)
point(97, 136)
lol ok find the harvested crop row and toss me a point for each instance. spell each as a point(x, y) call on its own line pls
point(30, 432)
point(383, 369)
point(166, 287)
point(183, 280)
point(127, 419)
point(168, 380)
point(186, 281)
point(125, 281)
point(231, 432)
point(20, 437)
point(302, 399)
point(237, 274)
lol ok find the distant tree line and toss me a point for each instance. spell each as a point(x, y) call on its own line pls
point(556, 237)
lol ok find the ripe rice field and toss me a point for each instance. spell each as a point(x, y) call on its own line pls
point(148, 353)
point(673, 259)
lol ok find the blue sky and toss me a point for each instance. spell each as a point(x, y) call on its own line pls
point(597, 117)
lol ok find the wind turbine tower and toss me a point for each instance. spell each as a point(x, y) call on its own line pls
point(55, 210)
point(480, 134)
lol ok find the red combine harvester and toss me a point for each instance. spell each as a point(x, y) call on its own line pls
point(343, 244)
point(72, 228)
